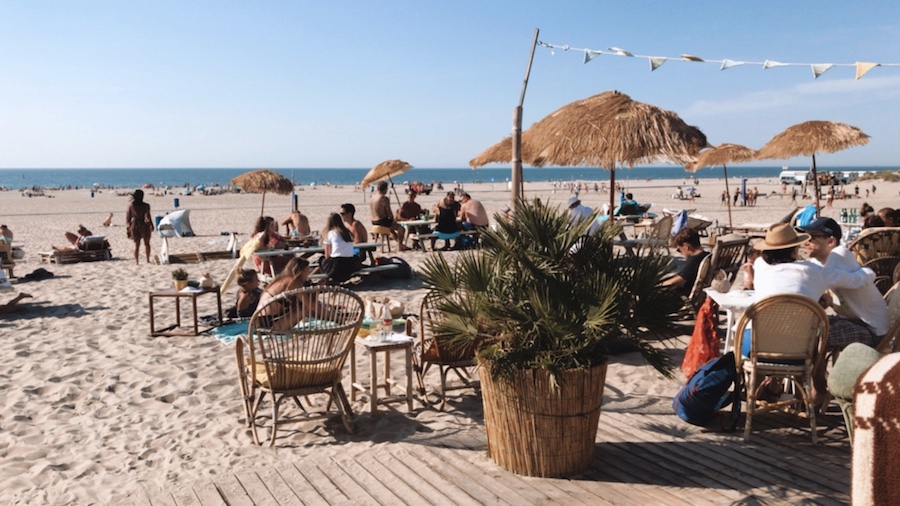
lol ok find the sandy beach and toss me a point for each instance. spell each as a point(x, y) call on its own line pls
point(94, 409)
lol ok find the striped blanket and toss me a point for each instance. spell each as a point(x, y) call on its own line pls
point(876, 438)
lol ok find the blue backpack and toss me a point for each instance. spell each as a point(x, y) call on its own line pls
point(706, 392)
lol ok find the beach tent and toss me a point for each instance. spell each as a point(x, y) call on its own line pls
point(176, 224)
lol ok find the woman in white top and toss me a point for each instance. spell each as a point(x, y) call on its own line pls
point(339, 262)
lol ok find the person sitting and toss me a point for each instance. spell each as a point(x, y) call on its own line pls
point(629, 206)
point(889, 216)
point(580, 212)
point(248, 294)
point(446, 211)
point(278, 316)
point(411, 210)
point(474, 216)
point(383, 217)
point(108, 221)
point(358, 230)
point(296, 224)
point(80, 241)
point(687, 240)
point(339, 262)
point(266, 231)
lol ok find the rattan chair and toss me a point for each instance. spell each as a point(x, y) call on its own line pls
point(788, 338)
point(880, 251)
point(891, 341)
point(726, 256)
point(431, 350)
point(296, 345)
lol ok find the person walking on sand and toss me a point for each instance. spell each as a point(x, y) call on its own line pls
point(139, 224)
point(382, 215)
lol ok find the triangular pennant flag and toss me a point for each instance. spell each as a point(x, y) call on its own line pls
point(863, 67)
point(727, 64)
point(691, 57)
point(620, 52)
point(820, 68)
point(656, 62)
point(772, 63)
point(590, 55)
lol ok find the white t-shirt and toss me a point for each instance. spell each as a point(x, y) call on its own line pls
point(859, 297)
point(339, 247)
point(801, 277)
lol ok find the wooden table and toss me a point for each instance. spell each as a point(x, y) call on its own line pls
point(396, 342)
point(172, 330)
point(310, 251)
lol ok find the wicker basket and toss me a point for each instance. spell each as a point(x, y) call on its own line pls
point(535, 430)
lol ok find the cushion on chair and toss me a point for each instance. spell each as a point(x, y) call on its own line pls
point(853, 361)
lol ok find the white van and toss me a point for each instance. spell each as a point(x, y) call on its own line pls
point(793, 176)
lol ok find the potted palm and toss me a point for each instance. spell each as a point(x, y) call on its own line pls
point(541, 302)
point(181, 278)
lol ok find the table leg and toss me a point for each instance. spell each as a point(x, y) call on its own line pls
point(729, 330)
point(353, 373)
point(387, 373)
point(152, 328)
point(219, 305)
point(178, 312)
point(409, 390)
point(373, 381)
point(196, 323)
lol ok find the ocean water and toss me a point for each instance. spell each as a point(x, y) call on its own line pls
point(13, 179)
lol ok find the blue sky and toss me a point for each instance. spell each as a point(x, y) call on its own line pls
point(350, 84)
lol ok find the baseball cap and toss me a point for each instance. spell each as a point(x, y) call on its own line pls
point(825, 226)
point(573, 201)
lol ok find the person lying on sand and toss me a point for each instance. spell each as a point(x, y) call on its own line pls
point(76, 240)
point(13, 305)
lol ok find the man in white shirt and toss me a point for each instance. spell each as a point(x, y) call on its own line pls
point(579, 212)
point(862, 315)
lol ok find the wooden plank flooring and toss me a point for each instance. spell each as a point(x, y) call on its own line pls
point(644, 455)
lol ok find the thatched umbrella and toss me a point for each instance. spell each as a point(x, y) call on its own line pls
point(809, 138)
point(264, 181)
point(385, 170)
point(722, 154)
point(604, 130)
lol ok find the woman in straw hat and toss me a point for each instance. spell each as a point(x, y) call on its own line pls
point(778, 268)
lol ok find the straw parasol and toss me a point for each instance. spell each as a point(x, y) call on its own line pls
point(605, 130)
point(264, 181)
point(809, 138)
point(722, 154)
point(385, 170)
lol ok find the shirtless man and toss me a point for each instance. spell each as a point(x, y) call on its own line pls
point(382, 215)
point(348, 212)
point(296, 221)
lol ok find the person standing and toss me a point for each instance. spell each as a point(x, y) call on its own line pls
point(382, 215)
point(139, 224)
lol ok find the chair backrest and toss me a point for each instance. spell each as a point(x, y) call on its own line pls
point(729, 255)
point(662, 229)
point(704, 279)
point(301, 337)
point(784, 327)
point(435, 348)
point(880, 251)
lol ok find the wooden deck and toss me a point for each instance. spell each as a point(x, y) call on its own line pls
point(644, 455)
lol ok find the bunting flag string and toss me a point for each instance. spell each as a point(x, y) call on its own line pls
point(657, 61)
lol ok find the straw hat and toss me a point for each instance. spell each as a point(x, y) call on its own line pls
point(781, 236)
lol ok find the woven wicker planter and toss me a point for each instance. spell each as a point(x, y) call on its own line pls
point(535, 430)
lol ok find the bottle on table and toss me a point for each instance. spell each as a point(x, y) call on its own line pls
point(387, 322)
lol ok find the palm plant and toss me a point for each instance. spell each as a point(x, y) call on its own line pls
point(546, 294)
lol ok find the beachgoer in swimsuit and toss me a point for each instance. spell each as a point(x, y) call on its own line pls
point(382, 215)
point(284, 313)
point(248, 294)
point(139, 223)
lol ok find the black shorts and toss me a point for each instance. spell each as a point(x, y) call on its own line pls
point(384, 222)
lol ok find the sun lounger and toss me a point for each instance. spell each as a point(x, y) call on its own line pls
point(94, 248)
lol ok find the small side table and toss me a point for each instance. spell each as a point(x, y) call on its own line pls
point(172, 330)
point(395, 343)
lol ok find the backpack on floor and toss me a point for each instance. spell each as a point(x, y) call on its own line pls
point(698, 401)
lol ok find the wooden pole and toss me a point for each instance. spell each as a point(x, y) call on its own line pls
point(727, 197)
point(815, 184)
point(518, 189)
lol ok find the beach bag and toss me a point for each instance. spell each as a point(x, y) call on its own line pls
point(720, 282)
point(698, 401)
point(704, 343)
point(403, 270)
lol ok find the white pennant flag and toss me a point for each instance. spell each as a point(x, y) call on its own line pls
point(820, 68)
point(863, 67)
point(590, 55)
point(656, 62)
point(727, 64)
point(771, 64)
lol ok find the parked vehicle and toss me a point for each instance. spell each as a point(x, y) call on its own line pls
point(420, 187)
point(794, 176)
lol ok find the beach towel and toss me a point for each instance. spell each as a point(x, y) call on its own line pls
point(806, 216)
point(681, 221)
point(876, 405)
point(704, 344)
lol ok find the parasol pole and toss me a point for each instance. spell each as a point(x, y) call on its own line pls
point(612, 192)
point(262, 210)
point(517, 186)
point(395, 193)
point(815, 184)
point(727, 197)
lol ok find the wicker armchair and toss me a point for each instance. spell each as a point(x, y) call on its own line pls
point(431, 350)
point(880, 251)
point(296, 345)
point(726, 256)
point(788, 338)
